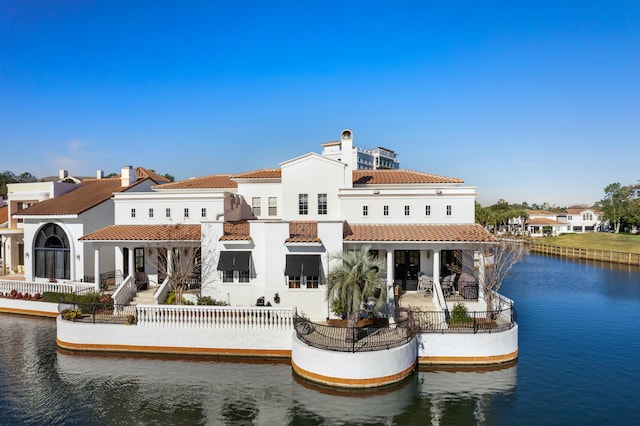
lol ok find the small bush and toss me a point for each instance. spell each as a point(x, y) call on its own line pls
point(72, 314)
point(209, 301)
point(459, 314)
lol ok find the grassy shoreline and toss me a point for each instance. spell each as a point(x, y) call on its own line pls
point(623, 243)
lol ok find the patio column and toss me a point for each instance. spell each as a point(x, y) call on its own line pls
point(132, 265)
point(436, 266)
point(119, 259)
point(391, 299)
point(96, 267)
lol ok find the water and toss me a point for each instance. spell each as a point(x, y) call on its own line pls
point(579, 364)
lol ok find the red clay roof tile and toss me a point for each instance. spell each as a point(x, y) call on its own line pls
point(145, 233)
point(385, 177)
point(440, 233)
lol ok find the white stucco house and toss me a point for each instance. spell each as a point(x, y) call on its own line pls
point(263, 235)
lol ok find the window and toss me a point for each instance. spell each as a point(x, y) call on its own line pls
point(167, 212)
point(186, 212)
point(133, 213)
point(322, 203)
point(406, 210)
point(587, 216)
point(255, 206)
point(203, 212)
point(385, 210)
point(303, 270)
point(52, 253)
point(235, 264)
point(303, 204)
point(273, 206)
point(570, 218)
point(427, 210)
point(448, 210)
point(365, 210)
point(151, 213)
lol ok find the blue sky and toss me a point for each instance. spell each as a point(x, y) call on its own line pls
point(527, 101)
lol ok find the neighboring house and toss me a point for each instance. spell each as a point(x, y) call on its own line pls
point(19, 197)
point(52, 227)
point(543, 222)
point(4, 223)
point(271, 234)
point(581, 220)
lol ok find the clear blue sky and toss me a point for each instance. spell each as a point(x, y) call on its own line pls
point(529, 101)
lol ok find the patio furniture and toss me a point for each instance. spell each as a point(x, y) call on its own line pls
point(425, 284)
point(447, 284)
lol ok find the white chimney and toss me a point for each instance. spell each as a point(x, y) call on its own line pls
point(99, 174)
point(346, 155)
point(127, 177)
point(63, 174)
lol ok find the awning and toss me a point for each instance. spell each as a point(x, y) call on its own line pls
point(234, 260)
point(302, 264)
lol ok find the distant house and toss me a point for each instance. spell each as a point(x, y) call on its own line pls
point(542, 222)
point(581, 220)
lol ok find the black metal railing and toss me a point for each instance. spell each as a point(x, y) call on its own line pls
point(352, 339)
point(97, 313)
point(474, 322)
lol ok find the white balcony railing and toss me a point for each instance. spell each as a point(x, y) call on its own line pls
point(214, 317)
point(33, 287)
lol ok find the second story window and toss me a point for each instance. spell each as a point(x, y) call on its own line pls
point(273, 206)
point(203, 212)
point(167, 212)
point(255, 206)
point(186, 212)
point(150, 213)
point(406, 210)
point(448, 210)
point(365, 210)
point(385, 211)
point(133, 213)
point(303, 204)
point(427, 210)
point(322, 203)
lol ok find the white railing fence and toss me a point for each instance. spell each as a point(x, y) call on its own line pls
point(124, 293)
point(33, 287)
point(214, 317)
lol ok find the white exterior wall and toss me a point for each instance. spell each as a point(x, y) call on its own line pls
point(461, 200)
point(159, 202)
point(262, 190)
point(312, 175)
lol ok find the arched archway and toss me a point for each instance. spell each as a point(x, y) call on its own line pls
point(52, 253)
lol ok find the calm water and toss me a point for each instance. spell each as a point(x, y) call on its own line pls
point(579, 364)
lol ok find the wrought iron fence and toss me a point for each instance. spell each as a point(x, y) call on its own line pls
point(352, 339)
point(473, 322)
point(97, 313)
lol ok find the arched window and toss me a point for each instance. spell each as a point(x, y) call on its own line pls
point(52, 253)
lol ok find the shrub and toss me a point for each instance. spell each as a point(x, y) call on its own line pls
point(72, 314)
point(209, 301)
point(459, 314)
point(171, 299)
point(338, 307)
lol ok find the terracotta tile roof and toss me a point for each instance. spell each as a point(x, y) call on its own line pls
point(543, 212)
point(145, 233)
point(303, 232)
point(4, 214)
point(260, 174)
point(386, 177)
point(205, 182)
point(236, 231)
point(88, 194)
point(442, 233)
point(142, 173)
point(543, 221)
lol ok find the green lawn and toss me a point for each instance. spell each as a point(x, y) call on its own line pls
point(625, 243)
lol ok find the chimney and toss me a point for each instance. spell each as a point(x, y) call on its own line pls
point(99, 174)
point(346, 154)
point(127, 177)
point(63, 174)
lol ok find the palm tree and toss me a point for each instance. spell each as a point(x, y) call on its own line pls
point(355, 280)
